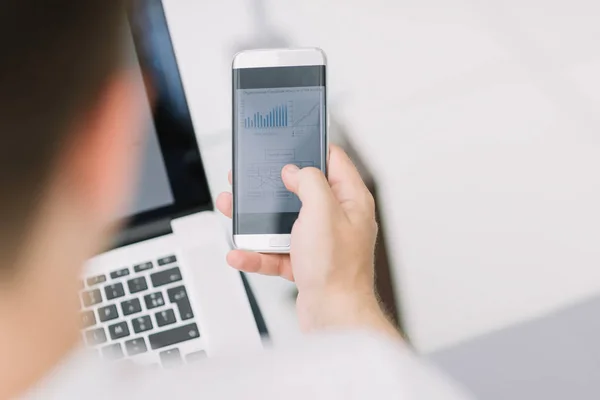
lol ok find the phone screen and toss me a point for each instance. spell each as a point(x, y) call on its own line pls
point(279, 118)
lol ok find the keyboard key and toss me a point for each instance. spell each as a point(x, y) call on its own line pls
point(179, 296)
point(166, 260)
point(91, 297)
point(108, 313)
point(131, 307)
point(141, 324)
point(118, 331)
point(95, 336)
point(136, 346)
point(171, 358)
point(119, 273)
point(166, 277)
point(94, 280)
point(137, 285)
point(142, 267)
point(174, 336)
point(81, 285)
point(195, 356)
point(114, 291)
point(88, 319)
point(154, 300)
point(113, 351)
point(166, 317)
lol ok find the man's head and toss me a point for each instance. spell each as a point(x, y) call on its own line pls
point(68, 116)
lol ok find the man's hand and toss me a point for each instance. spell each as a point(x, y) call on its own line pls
point(332, 248)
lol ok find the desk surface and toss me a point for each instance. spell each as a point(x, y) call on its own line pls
point(481, 125)
point(274, 296)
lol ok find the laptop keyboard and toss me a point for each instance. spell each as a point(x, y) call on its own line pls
point(133, 311)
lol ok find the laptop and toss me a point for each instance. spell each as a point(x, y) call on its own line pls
point(164, 294)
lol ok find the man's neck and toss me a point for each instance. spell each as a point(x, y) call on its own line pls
point(39, 326)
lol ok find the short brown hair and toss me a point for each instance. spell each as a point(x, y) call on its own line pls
point(55, 59)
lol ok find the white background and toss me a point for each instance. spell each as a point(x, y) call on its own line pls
point(480, 120)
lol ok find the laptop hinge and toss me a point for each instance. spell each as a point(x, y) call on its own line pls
point(140, 232)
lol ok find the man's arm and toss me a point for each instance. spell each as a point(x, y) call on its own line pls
point(332, 249)
point(332, 264)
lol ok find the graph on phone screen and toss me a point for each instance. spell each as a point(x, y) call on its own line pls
point(276, 127)
point(283, 115)
point(277, 117)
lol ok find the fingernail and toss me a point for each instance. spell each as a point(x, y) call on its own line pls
point(291, 169)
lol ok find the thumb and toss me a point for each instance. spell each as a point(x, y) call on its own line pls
point(309, 184)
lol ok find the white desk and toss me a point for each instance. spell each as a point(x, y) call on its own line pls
point(275, 296)
point(481, 124)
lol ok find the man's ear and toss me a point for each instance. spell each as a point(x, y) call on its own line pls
point(102, 157)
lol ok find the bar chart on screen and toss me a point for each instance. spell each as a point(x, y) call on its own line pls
point(292, 114)
point(277, 117)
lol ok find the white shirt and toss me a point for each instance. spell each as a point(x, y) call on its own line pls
point(327, 366)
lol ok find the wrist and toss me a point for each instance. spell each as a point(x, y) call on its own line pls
point(335, 309)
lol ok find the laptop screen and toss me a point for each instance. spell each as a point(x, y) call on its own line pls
point(153, 189)
point(172, 182)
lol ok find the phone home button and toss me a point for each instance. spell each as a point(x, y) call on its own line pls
point(279, 242)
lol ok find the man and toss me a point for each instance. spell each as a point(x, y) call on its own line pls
point(68, 117)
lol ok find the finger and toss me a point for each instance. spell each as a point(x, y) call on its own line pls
point(346, 183)
point(265, 264)
point(310, 185)
point(230, 178)
point(225, 204)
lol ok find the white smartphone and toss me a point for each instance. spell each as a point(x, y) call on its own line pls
point(279, 118)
